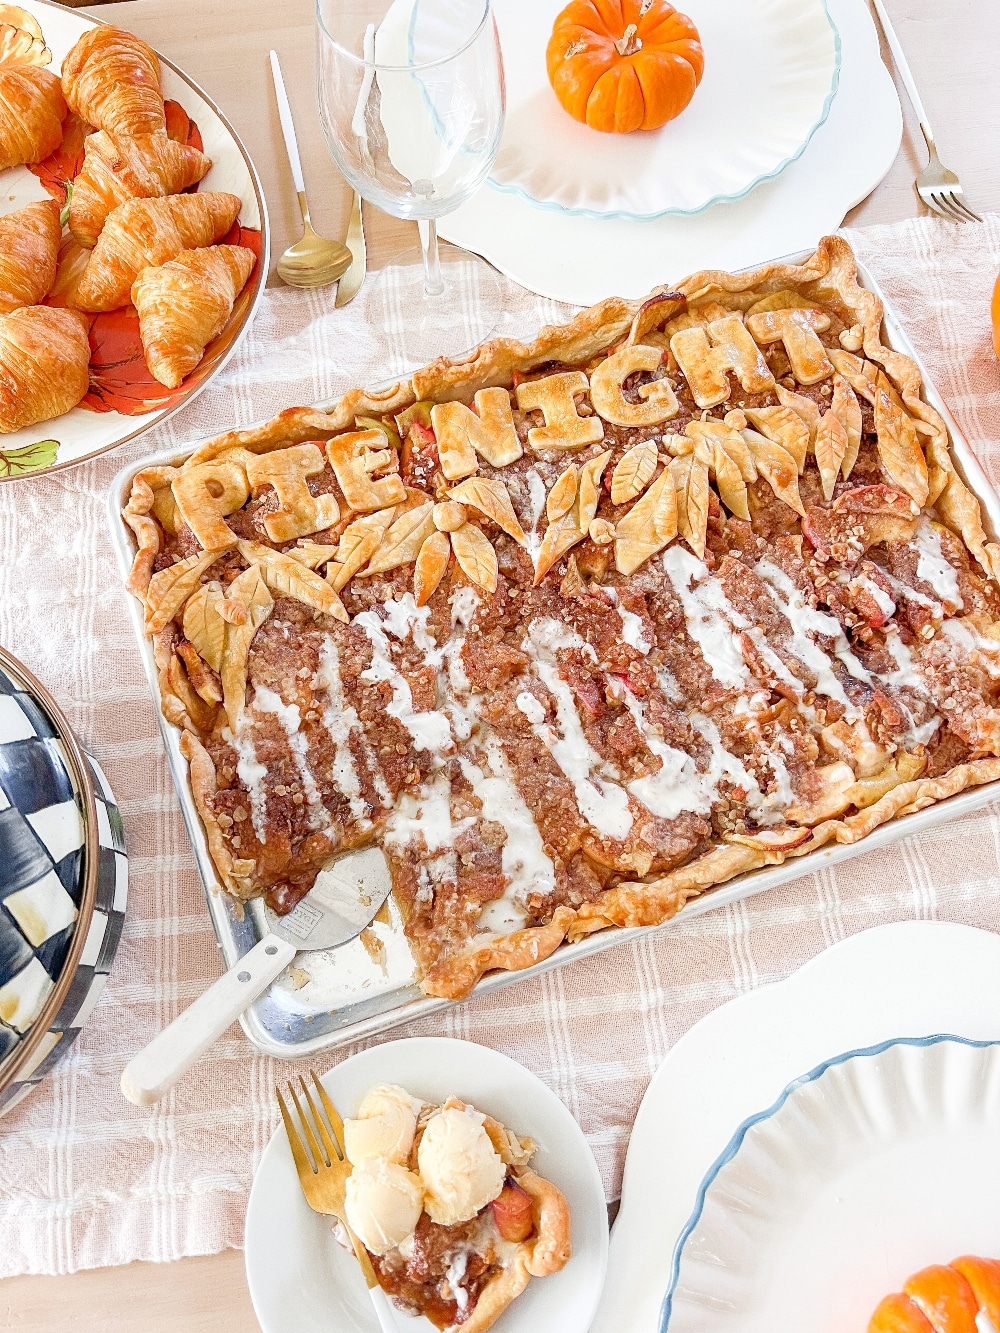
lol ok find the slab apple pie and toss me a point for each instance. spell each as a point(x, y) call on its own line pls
point(577, 629)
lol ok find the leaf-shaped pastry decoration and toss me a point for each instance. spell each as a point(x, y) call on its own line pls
point(778, 468)
point(170, 588)
point(491, 498)
point(475, 553)
point(432, 561)
point(203, 623)
point(831, 446)
point(860, 374)
point(403, 540)
point(339, 575)
point(562, 494)
point(633, 472)
point(311, 554)
point(186, 708)
point(589, 493)
point(559, 537)
point(690, 477)
point(785, 427)
point(287, 578)
point(846, 408)
point(729, 479)
point(898, 446)
point(804, 408)
point(204, 680)
point(649, 525)
point(251, 590)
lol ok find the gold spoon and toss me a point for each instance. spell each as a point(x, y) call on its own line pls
point(313, 261)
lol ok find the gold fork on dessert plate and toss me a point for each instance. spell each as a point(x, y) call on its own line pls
point(322, 1166)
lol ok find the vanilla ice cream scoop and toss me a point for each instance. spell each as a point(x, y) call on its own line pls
point(384, 1125)
point(460, 1168)
point(383, 1203)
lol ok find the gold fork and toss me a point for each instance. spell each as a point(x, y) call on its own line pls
point(323, 1169)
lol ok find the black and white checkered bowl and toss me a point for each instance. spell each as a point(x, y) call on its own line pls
point(63, 883)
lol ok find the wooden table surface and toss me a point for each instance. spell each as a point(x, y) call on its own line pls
point(223, 46)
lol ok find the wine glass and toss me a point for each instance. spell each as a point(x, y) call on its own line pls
point(411, 98)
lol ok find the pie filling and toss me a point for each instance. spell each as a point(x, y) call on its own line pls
point(441, 1271)
point(656, 617)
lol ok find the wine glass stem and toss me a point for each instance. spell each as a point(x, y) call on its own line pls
point(433, 282)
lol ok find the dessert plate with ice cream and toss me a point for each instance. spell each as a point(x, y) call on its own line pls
point(473, 1190)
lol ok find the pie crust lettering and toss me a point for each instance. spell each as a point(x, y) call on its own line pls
point(572, 659)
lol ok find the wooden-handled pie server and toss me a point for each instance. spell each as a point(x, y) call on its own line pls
point(347, 894)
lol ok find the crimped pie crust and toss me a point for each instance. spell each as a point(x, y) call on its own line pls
point(833, 479)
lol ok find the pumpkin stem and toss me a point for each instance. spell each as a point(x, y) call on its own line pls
point(629, 42)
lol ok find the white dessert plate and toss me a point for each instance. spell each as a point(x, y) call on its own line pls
point(911, 979)
point(771, 71)
point(871, 1166)
point(123, 399)
point(302, 1281)
point(583, 259)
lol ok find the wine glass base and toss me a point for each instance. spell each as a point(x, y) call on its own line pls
point(419, 326)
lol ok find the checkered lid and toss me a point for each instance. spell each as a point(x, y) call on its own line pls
point(42, 835)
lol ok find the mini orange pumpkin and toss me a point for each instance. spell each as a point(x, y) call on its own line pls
point(944, 1298)
point(624, 65)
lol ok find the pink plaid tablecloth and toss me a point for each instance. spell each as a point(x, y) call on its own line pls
point(88, 1180)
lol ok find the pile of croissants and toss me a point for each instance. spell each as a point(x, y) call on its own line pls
point(149, 244)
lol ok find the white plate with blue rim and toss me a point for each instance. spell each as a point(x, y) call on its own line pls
point(300, 1278)
point(898, 984)
point(876, 1163)
point(771, 74)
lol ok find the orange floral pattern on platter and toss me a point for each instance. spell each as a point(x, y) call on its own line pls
point(119, 377)
point(66, 162)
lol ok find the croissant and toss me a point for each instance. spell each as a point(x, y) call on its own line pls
point(116, 169)
point(44, 355)
point(147, 232)
point(32, 111)
point(111, 79)
point(185, 303)
point(29, 245)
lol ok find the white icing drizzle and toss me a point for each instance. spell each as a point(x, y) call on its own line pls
point(429, 730)
point(341, 718)
point(878, 595)
point(677, 785)
point(537, 495)
point(426, 812)
point(603, 805)
point(726, 765)
point(523, 857)
point(906, 676)
point(252, 775)
point(911, 594)
point(633, 626)
point(804, 618)
point(968, 638)
point(933, 566)
point(710, 617)
point(267, 701)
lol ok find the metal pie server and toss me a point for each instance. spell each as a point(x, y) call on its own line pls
point(347, 894)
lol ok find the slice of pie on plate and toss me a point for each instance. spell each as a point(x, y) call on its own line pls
point(577, 629)
point(444, 1200)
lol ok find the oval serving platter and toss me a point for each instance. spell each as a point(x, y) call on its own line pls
point(123, 399)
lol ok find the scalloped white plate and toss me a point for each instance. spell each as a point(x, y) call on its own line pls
point(877, 1162)
point(583, 259)
point(771, 72)
point(912, 978)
